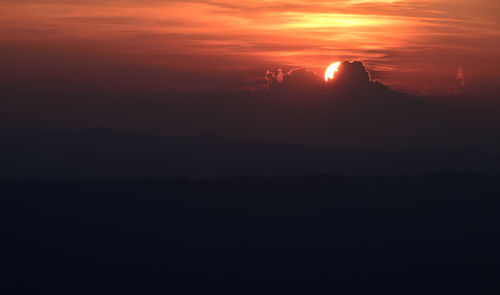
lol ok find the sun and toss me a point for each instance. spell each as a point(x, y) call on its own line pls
point(331, 70)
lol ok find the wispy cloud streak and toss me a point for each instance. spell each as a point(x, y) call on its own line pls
point(401, 41)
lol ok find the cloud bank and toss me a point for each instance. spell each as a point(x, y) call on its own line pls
point(351, 111)
point(352, 78)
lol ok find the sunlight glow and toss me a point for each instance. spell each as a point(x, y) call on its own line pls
point(331, 70)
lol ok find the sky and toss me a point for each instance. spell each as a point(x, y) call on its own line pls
point(413, 45)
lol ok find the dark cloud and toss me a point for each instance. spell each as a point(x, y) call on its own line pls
point(352, 78)
point(482, 85)
point(476, 86)
point(352, 73)
point(297, 80)
point(461, 76)
point(353, 111)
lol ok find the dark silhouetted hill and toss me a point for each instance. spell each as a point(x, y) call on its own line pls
point(427, 234)
point(108, 153)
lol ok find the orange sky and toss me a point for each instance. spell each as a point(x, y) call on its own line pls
point(406, 44)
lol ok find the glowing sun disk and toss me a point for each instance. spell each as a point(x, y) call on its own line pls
point(331, 70)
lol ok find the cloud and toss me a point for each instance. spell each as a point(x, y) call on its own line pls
point(352, 78)
point(300, 80)
point(461, 76)
point(460, 82)
point(476, 86)
point(353, 110)
point(274, 77)
point(357, 115)
point(482, 86)
point(400, 39)
point(352, 73)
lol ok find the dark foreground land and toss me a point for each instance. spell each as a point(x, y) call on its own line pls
point(434, 234)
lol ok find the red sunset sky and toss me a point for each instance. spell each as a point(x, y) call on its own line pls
point(223, 43)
